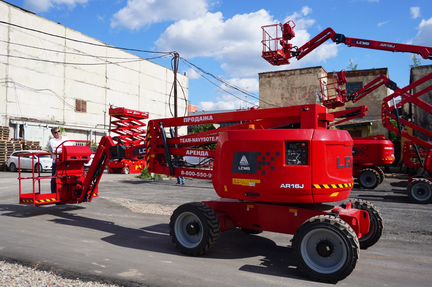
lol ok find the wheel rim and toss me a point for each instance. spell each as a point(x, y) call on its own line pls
point(189, 230)
point(421, 191)
point(324, 251)
point(368, 179)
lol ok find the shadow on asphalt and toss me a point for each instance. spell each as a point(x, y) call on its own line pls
point(277, 260)
point(166, 183)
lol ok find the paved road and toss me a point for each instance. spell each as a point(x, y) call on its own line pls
point(114, 238)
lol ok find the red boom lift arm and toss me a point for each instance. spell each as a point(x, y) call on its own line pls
point(278, 50)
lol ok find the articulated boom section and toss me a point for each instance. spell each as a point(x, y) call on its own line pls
point(260, 155)
point(278, 50)
point(394, 120)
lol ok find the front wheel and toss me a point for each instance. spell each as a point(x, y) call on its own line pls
point(420, 190)
point(327, 248)
point(194, 228)
point(12, 167)
point(376, 223)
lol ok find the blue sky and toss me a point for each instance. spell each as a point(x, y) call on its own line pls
point(223, 37)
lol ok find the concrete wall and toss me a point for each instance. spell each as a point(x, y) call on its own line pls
point(421, 117)
point(302, 86)
point(372, 101)
point(42, 94)
point(290, 87)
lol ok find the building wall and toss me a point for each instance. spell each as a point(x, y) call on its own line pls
point(41, 94)
point(372, 101)
point(421, 117)
point(303, 86)
point(290, 87)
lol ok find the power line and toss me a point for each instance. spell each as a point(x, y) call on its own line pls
point(70, 63)
point(220, 88)
point(202, 71)
point(65, 52)
point(85, 42)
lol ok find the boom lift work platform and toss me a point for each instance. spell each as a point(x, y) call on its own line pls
point(278, 50)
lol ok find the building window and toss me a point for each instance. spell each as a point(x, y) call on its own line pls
point(80, 106)
point(353, 87)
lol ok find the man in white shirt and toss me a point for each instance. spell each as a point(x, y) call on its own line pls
point(53, 143)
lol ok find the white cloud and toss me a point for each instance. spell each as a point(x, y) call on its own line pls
point(139, 13)
point(45, 5)
point(380, 24)
point(236, 42)
point(415, 12)
point(192, 74)
point(226, 102)
point(424, 35)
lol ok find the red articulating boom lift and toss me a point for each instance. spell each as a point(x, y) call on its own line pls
point(274, 170)
point(278, 51)
point(370, 153)
point(130, 129)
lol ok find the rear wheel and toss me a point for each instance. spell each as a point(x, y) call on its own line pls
point(369, 178)
point(12, 167)
point(376, 223)
point(194, 228)
point(327, 248)
point(420, 190)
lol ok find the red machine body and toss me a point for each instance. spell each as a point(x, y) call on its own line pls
point(130, 130)
point(284, 166)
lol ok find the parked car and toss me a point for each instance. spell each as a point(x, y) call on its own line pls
point(43, 164)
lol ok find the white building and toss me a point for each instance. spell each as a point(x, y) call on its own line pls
point(48, 81)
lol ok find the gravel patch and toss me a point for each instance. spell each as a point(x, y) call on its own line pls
point(16, 275)
point(140, 207)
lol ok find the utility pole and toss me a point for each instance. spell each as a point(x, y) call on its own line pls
point(175, 70)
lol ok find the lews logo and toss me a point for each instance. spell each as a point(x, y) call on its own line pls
point(198, 119)
point(197, 152)
point(347, 164)
point(292, 185)
point(244, 164)
point(363, 43)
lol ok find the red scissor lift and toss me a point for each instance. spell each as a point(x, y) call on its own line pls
point(131, 130)
point(278, 50)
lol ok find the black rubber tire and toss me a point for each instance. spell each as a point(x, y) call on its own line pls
point(376, 223)
point(12, 167)
point(381, 173)
point(369, 178)
point(251, 231)
point(420, 190)
point(329, 226)
point(203, 220)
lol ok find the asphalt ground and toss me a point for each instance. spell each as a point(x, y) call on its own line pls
point(122, 237)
